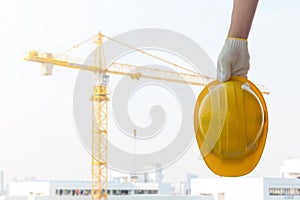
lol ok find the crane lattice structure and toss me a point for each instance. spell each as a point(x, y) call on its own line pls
point(100, 97)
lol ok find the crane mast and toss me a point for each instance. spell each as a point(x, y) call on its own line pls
point(100, 129)
point(99, 144)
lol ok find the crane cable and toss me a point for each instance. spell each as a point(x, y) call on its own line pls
point(138, 50)
point(151, 55)
point(76, 46)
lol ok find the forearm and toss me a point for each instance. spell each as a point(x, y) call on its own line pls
point(242, 17)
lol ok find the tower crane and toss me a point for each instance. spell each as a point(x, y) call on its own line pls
point(100, 98)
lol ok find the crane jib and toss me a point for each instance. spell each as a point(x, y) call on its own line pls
point(79, 65)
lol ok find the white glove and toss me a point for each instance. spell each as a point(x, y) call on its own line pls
point(233, 59)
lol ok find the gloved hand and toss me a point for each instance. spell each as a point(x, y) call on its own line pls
point(233, 59)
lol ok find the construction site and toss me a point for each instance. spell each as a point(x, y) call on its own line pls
point(117, 100)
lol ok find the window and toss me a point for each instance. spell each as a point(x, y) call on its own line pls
point(145, 191)
point(284, 191)
point(72, 192)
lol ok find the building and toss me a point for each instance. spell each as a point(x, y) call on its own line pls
point(290, 168)
point(237, 188)
point(157, 178)
point(67, 190)
point(77, 188)
point(143, 197)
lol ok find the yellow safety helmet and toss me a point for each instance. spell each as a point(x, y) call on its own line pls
point(231, 125)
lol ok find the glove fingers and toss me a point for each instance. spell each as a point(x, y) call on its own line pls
point(241, 72)
point(241, 68)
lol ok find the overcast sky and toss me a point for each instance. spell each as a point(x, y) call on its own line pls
point(37, 132)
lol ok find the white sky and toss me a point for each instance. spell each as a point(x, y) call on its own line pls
point(37, 135)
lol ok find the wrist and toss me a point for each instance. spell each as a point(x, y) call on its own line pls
point(237, 38)
point(238, 34)
point(233, 42)
point(236, 44)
